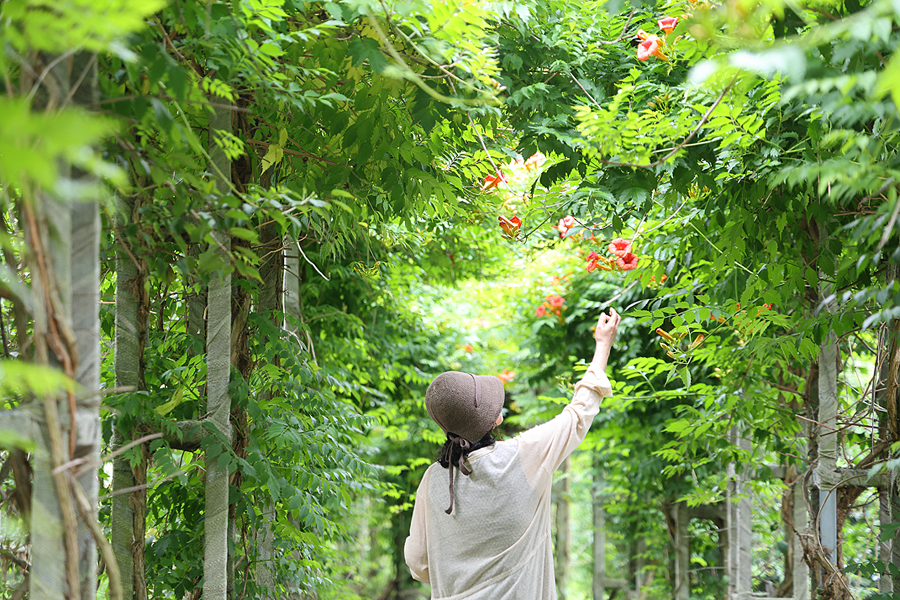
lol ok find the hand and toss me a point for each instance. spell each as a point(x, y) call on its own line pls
point(607, 328)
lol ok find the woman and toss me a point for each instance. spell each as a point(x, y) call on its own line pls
point(493, 542)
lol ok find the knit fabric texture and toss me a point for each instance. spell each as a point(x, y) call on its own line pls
point(465, 404)
point(496, 544)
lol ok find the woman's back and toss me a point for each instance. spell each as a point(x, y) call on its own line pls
point(493, 542)
point(498, 527)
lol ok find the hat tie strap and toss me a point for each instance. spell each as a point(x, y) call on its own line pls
point(460, 463)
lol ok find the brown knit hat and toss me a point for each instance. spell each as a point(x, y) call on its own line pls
point(464, 404)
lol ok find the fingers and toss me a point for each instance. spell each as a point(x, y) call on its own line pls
point(610, 321)
point(614, 315)
point(607, 325)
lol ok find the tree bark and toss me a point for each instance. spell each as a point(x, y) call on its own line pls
point(888, 398)
point(271, 298)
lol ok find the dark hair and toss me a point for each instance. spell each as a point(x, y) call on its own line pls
point(450, 452)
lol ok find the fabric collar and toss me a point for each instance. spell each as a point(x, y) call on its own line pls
point(483, 451)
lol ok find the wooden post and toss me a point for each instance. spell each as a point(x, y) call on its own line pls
point(682, 582)
point(639, 562)
point(599, 580)
point(216, 573)
point(895, 544)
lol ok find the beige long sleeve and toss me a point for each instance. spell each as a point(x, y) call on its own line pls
point(497, 539)
point(543, 448)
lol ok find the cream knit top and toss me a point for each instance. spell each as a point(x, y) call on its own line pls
point(496, 543)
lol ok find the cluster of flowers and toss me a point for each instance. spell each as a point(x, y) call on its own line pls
point(564, 225)
point(652, 283)
point(515, 168)
point(512, 181)
point(766, 306)
point(652, 45)
point(623, 258)
point(568, 222)
point(553, 305)
point(506, 376)
point(671, 344)
point(511, 226)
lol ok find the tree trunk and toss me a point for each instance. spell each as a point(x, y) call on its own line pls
point(888, 398)
point(270, 303)
point(271, 270)
point(218, 406)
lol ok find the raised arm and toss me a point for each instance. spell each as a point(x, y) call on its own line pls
point(544, 447)
point(604, 336)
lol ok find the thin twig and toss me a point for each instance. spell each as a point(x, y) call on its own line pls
point(624, 29)
point(834, 429)
point(151, 484)
point(483, 145)
point(119, 451)
point(578, 83)
point(889, 227)
point(45, 72)
point(81, 77)
point(306, 258)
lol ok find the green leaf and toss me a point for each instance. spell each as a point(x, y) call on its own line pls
point(245, 234)
point(166, 408)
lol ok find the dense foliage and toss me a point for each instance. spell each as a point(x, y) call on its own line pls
point(398, 189)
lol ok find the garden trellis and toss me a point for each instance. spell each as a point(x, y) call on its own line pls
point(244, 323)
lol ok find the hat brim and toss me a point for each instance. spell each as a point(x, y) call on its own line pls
point(490, 391)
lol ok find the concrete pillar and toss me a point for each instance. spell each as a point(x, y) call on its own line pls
point(739, 523)
point(828, 449)
point(801, 521)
